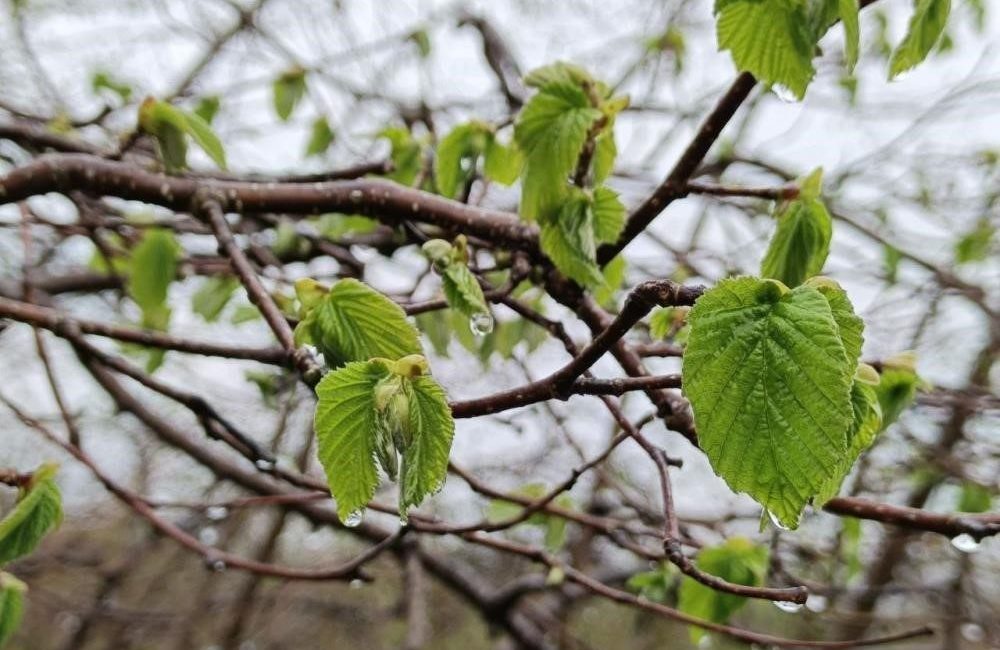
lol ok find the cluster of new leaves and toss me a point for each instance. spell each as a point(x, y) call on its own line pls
point(37, 512)
point(461, 289)
point(782, 405)
point(378, 407)
point(777, 40)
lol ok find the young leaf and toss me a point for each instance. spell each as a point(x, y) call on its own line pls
point(975, 246)
point(866, 422)
point(289, 89)
point(345, 433)
point(320, 137)
point(153, 267)
point(213, 296)
point(569, 242)
point(614, 276)
point(847, 11)
point(353, 322)
point(736, 560)
point(457, 154)
point(849, 325)
point(502, 163)
point(769, 383)
point(926, 26)
point(37, 512)
point(609, 215)
point(171, 127)
point(801, 243)
point(104, 81)
point(208, 107)
point(896, 390)
point(770, 39)
point(405, 154)
point(974, 498)
point(653, 585)
point(462, 290)
point(205, 137)
point(425, 460)
point(11, 605)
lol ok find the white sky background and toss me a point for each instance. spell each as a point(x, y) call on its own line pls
point(151, 45)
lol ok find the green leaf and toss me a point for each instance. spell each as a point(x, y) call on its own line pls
point(926, 26)
point(405, 154)
point(569, 242)
point(153, 267)
point(849, 325)
point(462, 290)
point(345, 433)
point(11, 606)
point(205, 137)
point(457, 154)
point(769, 382)
point(866, 422)
point(974, 498)
point(801, 242)
point(335, 226)
point(320, 137)
point(208, 107)
point(37, 512)
point(736, 560)
point(896, 390)
point(436, 326)
point(213, 296)
point(976, 245)
point(653, 585)
point(353, 322)
point(614, 276)
point(551, 131)
point(609, 215)
point(665, 320)
point(289, 89)
point(605, 153)
point(245, 314)
point(104, 81)
point(847, 11)
point(502, 163)
point(425, 461)
point(770, 39)
point(422, 40)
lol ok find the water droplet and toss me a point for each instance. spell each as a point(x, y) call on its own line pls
point(208, 536)
point(264, 465)
point(218, 566)
point(481, 324)
point(404, 519)
point(217, 513)
point(965, 543)
point(900, 76)
point(357, 583)
point(786, 606)
point(972, 632)
point(784, 93)
point(705, 642)
point(776, 522)
point(354, 519)
point(356, 196)
point(817, 603)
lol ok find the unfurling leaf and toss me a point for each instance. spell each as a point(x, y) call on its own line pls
point(371, 411)
point(353, 322)
point(11, 605)
point(289, 88)
point(801, 243)
point(461, 288)
point(770, 384)
point(897, 387)
point(213, 296)
point(736, 560)
point(171, 127)
point(37, 512)
point(925, 28)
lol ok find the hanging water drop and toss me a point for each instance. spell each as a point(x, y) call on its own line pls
point(357, 583)
point(354, 519)
point(817, 603)
point(705, 642)
point(264, 465)
point(972, 632)
point(776, 522)
point(356, 196)
point(481, 323)
point(217, 513)
point(784, 93)
point(208, 536)
point(404, 519)
point(786, 606)
point(217, 565)
point(965, 543)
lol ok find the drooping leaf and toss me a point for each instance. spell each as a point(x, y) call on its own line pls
point(425, 460)
point(288, 89)
point(769, 382)
point(353, 322)
point(502, 163)
point(213, 296)
point(736, 560)
point(11, 606)
point(771, 39)
point(153, 267)
point(345, 433)
point(462, 290)
point(801, 242)
point(570, 243)
point(37, 512)
point(320, 137)
point(925, 28)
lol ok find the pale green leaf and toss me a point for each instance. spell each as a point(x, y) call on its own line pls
point(11, 606)
point(152, 268)
point(205, 137)
point(769, 383)
point(801, 242)
point(345, 433)
point(502, 163)
point(37, 512)
point(288, 90)
point(457, 154)
point(925, 28)
point(104, 81)
point(975, 246)
point(405, 154)
point(605, 153)
point(609, 214)
point(321, 136)
point(974, 498)
point(208, 107)
point(736, 560)
point(896, 390)
point(849, 324)
point(569, 243)
point(614, 276)
point(425, 459)
point(213, 296)
point(770, 39)
point(353, 322)
point(462, 290)
point(848, 13)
